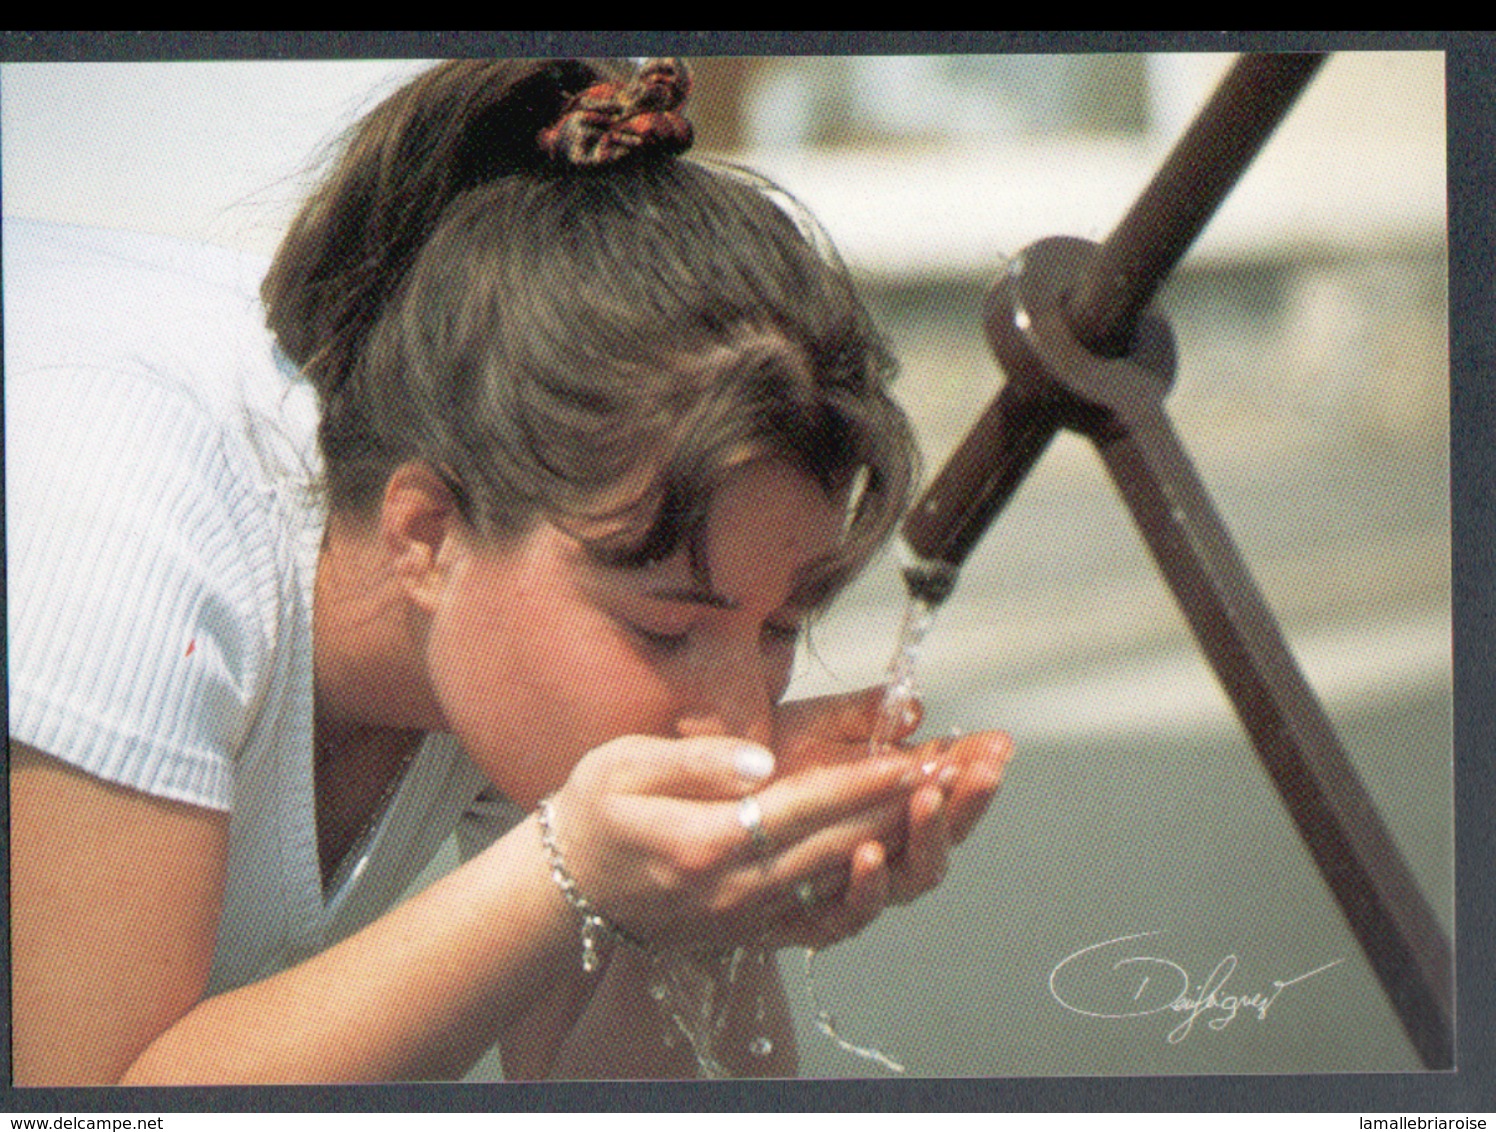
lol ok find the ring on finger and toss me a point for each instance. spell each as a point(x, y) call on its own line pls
point(751, 818)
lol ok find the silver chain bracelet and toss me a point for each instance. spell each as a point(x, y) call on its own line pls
point(595, 926)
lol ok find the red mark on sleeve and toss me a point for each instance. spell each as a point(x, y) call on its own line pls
point(192, 644)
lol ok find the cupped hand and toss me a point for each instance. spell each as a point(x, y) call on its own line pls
point(654, 834)
point(958, 778)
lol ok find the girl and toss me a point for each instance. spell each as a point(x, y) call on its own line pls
point(507, 525)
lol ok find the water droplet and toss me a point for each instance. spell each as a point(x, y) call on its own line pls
point(760, 1047)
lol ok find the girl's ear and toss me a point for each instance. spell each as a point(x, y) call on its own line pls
point(420, 527)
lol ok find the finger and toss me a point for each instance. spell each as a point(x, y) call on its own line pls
point(704, 767)
point(868, 881)
point(862, 900)
point(971, 774)
point(828, 850)
point(798, 806)
point(927, 852)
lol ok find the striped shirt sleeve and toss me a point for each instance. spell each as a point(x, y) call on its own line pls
point(137, 582)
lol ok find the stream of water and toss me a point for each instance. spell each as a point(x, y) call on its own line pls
point(900, 691)
point(695, 991)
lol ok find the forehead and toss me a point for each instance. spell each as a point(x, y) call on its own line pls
point(771, 529)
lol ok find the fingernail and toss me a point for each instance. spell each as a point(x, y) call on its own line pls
point(948, 776)
point(752, 761)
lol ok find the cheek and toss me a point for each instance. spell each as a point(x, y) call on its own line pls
point(529, 687)
point(473, 674)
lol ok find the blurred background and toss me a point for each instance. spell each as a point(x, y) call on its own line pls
point(1312, 392)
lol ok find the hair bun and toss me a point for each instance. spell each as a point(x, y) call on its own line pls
point(611, 120)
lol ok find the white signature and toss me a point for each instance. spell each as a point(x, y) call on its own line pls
point(1084, 976)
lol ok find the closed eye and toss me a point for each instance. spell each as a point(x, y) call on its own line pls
point(664, 644)
point(775, 635)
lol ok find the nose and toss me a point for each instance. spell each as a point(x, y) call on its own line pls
point(736, 698)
